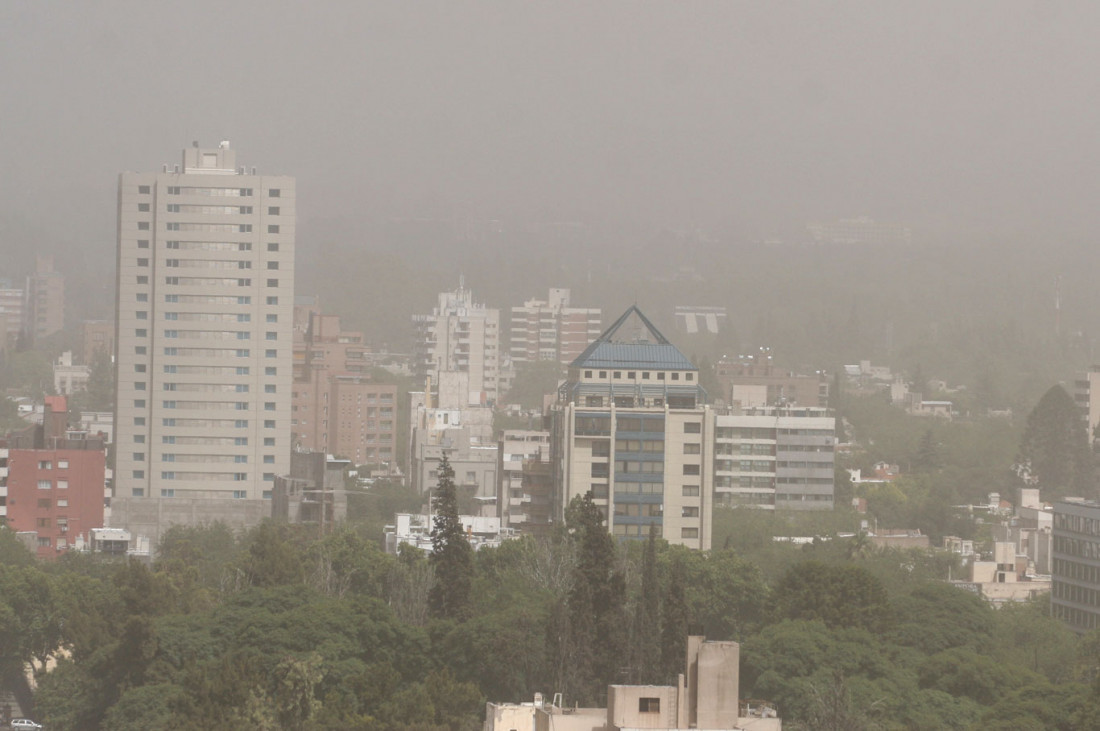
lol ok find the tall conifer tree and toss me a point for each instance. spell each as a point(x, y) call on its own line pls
point(451, 556)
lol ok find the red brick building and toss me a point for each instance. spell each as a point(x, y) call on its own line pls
point(55, 481)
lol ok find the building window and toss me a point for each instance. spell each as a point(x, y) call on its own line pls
point(691, 427)
point(273, 210)
point(141, 332)
point(142, 296)
point(270, 354)
point(139, 421)
point(143, 225)
point(143, 243)
point(138, 491)
point(44, 484)
point(62, 503)
point(269, 423)
point(272, 300)
point(139, 475)
point(240, 494)
point(143, 262)
point(273, 265)
point(144, 189)
point(274, 193)
point(139, 403)
point(272, 247)
point(62, 484)
point(691, 469)
point(273, 282)
point(691, 491)
point(143, 207)
point(692, 449)
point(269, 441)
point(270, 371)
point(168, 492)
point(269, 388)
point(689, 512)
point(649, 705)
point(273, 228)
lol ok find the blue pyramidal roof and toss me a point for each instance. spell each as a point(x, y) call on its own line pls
point(633, 342)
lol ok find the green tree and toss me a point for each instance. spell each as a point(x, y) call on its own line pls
point(588, 632)
point(1054, 452)
point(674, 624)
point(927, 458)
point(646, 642)
point(451, 557)
point(839, 596)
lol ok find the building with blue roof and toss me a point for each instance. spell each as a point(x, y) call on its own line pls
point(631, 428)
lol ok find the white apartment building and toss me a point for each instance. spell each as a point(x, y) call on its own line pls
point(775, 457)
point(204, 310)
point(461, 336)
point(552, 330)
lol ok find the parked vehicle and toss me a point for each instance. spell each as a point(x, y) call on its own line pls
point(25, 723)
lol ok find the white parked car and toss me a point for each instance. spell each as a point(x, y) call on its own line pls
point(25, 723)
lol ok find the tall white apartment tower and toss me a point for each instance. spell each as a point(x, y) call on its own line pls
point(460, 336)
point(204, 311)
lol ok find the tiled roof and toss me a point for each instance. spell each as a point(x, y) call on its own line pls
point(646, 347)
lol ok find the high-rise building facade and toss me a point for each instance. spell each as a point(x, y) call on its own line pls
point(632, 429)
point(1075, 564)
point(552, 330)
point(461, 336)
point(45, 311)
point(204, 306)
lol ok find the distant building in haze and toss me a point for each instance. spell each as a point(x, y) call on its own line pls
point(861, 230)
point(45, 311)
point(460, 336)
point(552, 330)
point(337, 408)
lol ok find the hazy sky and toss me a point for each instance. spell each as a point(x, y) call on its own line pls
point(965, 119)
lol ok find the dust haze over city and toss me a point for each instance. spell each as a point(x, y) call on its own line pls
point(444, 131)
point(871, 225)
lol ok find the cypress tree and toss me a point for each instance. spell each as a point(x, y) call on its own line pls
point(451, 556)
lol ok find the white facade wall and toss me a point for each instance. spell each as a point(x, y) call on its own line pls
point(204, 311)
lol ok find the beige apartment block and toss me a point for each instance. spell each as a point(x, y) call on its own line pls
point(632, 429)
point(204, 306)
